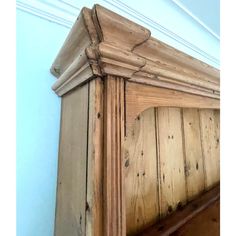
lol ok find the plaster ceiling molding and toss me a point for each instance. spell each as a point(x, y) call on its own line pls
point(205, 25)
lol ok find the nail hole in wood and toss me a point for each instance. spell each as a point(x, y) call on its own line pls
point(98, 115)
point(137, 174)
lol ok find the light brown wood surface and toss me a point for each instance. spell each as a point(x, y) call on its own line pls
point(102, 43)
point(209, 121)
point(111, 71)
point(114, 199)
point(194, 166)
point(71, 187)
point(167, 144)
point(173, 187)
point(141, 97)
point(206, 223)
point(94, 205)
point(141, 184)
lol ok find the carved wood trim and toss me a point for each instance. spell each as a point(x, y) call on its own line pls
point(141, 97)
point(102, 43)
point(114, 205)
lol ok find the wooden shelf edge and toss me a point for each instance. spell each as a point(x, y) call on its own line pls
point(176, 220)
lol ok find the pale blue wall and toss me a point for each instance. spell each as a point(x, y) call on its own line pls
point(38, 108)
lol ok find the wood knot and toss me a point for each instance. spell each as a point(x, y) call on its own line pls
point(180, 206)
point(197, 166)
point(127, 163)
point(170, 209)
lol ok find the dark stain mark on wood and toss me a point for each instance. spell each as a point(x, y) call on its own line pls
point(127, 163)
point(170, 209)
point(197, 166)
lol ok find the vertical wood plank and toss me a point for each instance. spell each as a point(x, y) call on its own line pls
point(94, 209)
point(173, 186)
point(71, 186)
point(209, 121)
point(141, 173)
point(114, 200)
point(194, 169)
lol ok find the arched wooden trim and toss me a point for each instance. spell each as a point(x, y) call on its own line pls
point(141, 97)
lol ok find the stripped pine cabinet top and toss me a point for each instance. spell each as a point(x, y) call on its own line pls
point(102, 42)
point(139, 128)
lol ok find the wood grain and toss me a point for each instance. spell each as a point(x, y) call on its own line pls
point(173, 187)
point(94, 206)
point(114, 198)
point(193, 211)
point(207, 223)
point(141, 184)
point(71, 186)
point(141, 97)
point(194, 168)
point(209, 121)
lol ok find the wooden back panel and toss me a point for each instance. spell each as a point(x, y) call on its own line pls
point(172, 156)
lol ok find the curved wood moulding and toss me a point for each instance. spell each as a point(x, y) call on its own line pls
point(141, 97)
point(102, 43)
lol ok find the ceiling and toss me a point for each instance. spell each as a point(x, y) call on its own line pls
point(207, 11)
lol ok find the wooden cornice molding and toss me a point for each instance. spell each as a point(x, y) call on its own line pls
point(102, 43)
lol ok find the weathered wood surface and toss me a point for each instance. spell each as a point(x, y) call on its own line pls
point(97, 113)
point(71, 186)
point(195, 216)
point(194, 163)
point(171, 155)
point(94, 206)
point(141, 184)
point(167, 144)
point(141, 97)
point(209, 120)
point(206, 223)
point(102, 43)
point(114, 205)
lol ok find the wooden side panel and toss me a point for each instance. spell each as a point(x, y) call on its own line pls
point(114, 199)
point(209, 121)
point(194, 169)
point(94, 213)
point(141, 173)
point(71, 186)
point(173, 186)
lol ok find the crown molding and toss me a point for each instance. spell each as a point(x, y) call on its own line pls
point(195, 18)
point(103, 43)
point(64, 13)
point(57, 12)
